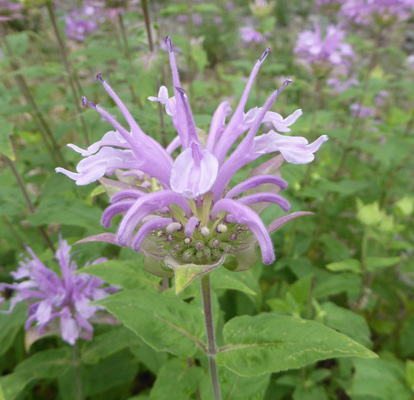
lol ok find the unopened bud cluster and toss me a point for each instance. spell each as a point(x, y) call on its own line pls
point(206, 245)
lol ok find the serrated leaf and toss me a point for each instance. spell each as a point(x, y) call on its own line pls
point(165, 323)
point(272, 343)
point(175, 381)
point(124, 274)
point(235, 387)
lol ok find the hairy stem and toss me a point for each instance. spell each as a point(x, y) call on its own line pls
point(211, 341)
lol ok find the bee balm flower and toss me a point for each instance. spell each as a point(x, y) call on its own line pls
point(196, 217)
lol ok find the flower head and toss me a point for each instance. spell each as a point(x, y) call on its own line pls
point(81, 22)
point(53, 296)
point(196, 217)
point(324, 53)
point(10, 11)
point(250, 35)
point(382, 12)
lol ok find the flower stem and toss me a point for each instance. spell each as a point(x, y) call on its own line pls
point(211, 341)
point(73, 80)
point(30, 205)
point(76, 362)
point(41, 123)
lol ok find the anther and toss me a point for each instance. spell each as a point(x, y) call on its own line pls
point(174, 226)
point(221, 228)
point(170, 237)
point(98, 77)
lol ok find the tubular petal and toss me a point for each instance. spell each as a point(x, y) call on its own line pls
point(112, 210)
point(144, 206)
point(267, 198)
point(147, 228)
point(254, 182)
point(190, 226)
point(217, 125)
point(244, 215)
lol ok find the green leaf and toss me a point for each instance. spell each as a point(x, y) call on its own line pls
point(10, 324)
point(236, 387)
point(46, 364)
point(19, 42)
point(186, 273)
point(106, 344)
point(409, 374)
point(379, 379)
point(125, 274)
point(346, 322)
point(338, 283)
point(272, 343)
point(165, 323)
point(374, 263)
point(242, 281)
point(176, 381)
point(351, 265)
point(370, 214)
point(6, 131)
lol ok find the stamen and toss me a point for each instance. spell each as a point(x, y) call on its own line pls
point(98, 76)
point(264, 55)
point(170, 237)
point(204, 231)
point(187, 240)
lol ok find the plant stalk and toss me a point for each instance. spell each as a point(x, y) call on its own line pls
point(72, 78)
point(211, 341)
point(78, 380)
point(30, 205)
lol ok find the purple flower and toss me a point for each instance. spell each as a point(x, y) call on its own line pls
point(196, 205)
point(360, 111)
point(81, 22)
point(381, 97)
point(323, 54)
point(339, 86)
point(54, 297)
point(383, 12)
point(410, 61)
point(249, 35)
point(197, 19)
point(10, 11)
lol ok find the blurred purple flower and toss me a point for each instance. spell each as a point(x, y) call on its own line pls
point(410, 61)
point(322, 54)
point(81, 22)
point(381, 97)
point(54, 297)
point(339, 86)
point(384, 12)
point(195, 217)
point(10, 11)
point(249, 35)
point(360, 111)
point(197, 19)
point(229, 6)
point(218, 20)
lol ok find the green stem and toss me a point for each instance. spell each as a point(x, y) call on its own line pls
point(76, 362)
point(124, 37)
point(73, 80)
point(41, 123)
point(211, 341)
point(30, 205)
